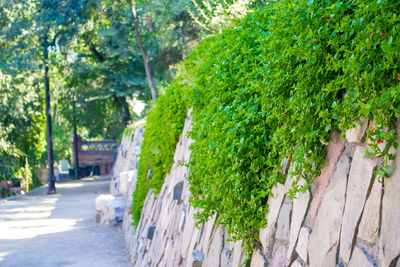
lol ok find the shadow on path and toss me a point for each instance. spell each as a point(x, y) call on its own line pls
point(59, 230)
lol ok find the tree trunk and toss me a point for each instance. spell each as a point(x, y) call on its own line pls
point(50, 178)
point(147, 68)
point(123, 106)
point(76, 149)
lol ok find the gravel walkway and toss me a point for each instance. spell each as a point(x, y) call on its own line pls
point(59, 230)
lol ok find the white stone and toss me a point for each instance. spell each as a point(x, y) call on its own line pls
point(296, 263)
point(358, 259)
point(324, 238)
point(361, 173)
point(124, 184)
point(237, 253)
point(188, 232)
point(279, 256)
point(356, 134)
point(274, 205)
point(226, 253)
point(209, 230)
point(213, 257)
point(390, 230)
point(302, 243)
point(300, 205)
point(190, 257)
point(370, 221)
point(110, 209)
point(282, 229)
point(258, 260)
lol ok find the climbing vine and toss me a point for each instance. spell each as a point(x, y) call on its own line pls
point(164, 125)
point(275, 86)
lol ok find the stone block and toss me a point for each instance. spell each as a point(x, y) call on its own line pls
point(359, 259)
point(297, 263)
point(334, 150)
point(361, 173)
point(237, 254)
point(356, 134)
point(178, 191)
point(300, 205)
point(187, 234)
point(198, 258)
point(302, 243)
point(324, 239)
point(149, 174)
point(258, 259)
point(370, 221)
point(213, 257)
point(150, 232)
point(208, 231)
point(279, 256)
point(110, 209)
point(282, 230)
point(124, 184)
point(390, 230)
point(274, 203)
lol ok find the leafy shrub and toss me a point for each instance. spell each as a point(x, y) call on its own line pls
point(164, 124)
point(275, 86)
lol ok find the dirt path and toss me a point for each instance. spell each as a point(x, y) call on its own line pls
point(59, 230)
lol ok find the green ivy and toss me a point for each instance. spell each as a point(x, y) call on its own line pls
point(275, 86)
point(164, 124)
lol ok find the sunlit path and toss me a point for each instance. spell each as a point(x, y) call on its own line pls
point(59, 230)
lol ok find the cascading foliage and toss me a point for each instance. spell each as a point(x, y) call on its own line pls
point(275, 86)
point(164, 125)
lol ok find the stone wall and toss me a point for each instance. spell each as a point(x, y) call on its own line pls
point(347, 218)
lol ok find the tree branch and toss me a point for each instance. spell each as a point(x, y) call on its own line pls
point(147, 68)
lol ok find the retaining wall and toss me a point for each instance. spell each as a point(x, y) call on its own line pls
point(347, 218)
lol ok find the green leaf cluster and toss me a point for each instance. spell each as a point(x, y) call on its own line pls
point(21, 126)
point(274, 87)
point(164, 124)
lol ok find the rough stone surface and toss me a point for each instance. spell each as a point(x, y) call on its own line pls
point(358, 259)
point(274, 203)
point(324, 238)
point(279, 257)
point(302, 243)
point(178, 191)
point(296, 263)
point(390, 232)
point(213, 257)
point(333, 151)
point(343, 204)
point(237, 254)
point(110, 209)
point(370, 221)
point(150, 231)
point(361, 173)
point(355, 135)
point(198, 258)
point(300, 206)
point(124, 183)
point(282, 230)
point(258, 259)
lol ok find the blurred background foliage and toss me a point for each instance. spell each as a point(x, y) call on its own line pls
point(94, 60)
